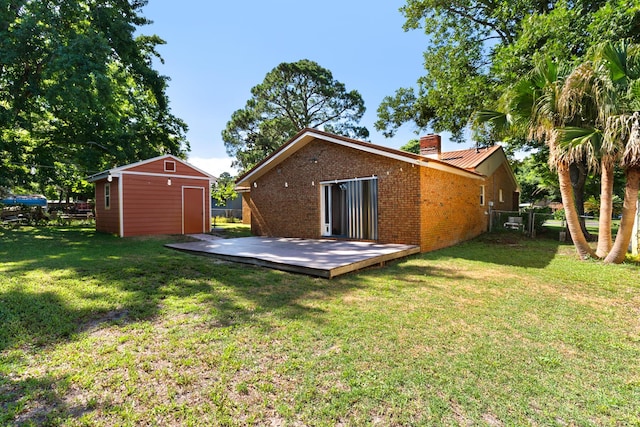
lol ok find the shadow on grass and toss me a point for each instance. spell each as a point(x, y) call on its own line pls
point(37, 401)
point(59, 282)
point(109, 280)
point(504, 248)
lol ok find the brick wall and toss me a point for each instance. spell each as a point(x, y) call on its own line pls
point(501, 180)
point(294, 210)
point(246, 208)
point(450, 209)
point(416, 205)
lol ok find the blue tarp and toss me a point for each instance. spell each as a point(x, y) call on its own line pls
point(34, 200)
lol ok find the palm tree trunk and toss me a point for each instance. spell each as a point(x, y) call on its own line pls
point(573, 223)
point(578, 171)
point(606, 208)
point(620, 246)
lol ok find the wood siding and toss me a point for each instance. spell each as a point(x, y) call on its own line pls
point(149, 204)
point(107, 220)
point(157, 166)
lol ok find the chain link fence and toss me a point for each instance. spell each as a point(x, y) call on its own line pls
point(530, 222)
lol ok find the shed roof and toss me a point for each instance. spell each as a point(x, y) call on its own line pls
point(117, 171)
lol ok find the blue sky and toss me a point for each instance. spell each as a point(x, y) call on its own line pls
point(217, 51)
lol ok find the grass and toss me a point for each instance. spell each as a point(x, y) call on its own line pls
point(502, 330)
point(231, 230)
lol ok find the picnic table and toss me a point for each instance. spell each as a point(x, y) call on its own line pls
point(15, 220)
point(65, 218)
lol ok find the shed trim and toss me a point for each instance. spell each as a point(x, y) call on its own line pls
point(121, 169)
point(165, 175)
point(121, 204)
point(204, 206)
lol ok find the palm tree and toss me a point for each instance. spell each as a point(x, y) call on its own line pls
point(581, 101)
point(533, 107)
point(612, 82)
point(628, 126)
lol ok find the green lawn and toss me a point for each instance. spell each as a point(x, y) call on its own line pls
point(98, 330)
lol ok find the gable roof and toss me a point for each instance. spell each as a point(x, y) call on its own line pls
point(308, 135)
point(117, 171)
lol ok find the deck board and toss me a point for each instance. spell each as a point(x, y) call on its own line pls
point(323, 258)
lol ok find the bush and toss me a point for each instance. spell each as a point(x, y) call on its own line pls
point(560, 215)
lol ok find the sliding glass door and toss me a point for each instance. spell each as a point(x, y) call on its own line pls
point(350, 208)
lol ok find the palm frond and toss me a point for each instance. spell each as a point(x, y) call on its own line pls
point(497, 118)
point(633, 95)
point(578, 98)
point(614, 55)
point(581, 144)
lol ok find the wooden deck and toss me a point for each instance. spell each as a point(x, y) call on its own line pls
point(322, 258)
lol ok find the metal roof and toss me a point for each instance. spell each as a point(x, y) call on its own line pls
point(468, 159)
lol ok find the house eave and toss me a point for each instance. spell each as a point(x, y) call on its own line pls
point(308, 135)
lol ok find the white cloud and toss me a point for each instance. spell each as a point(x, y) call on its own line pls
point(214, 165)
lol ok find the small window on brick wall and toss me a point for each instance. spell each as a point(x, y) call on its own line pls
point(482, 195)
point(169, 166)
point(500, 196)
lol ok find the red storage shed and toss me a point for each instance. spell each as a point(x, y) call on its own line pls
point(162, 195)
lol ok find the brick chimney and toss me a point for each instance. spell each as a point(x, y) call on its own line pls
point(431, 146)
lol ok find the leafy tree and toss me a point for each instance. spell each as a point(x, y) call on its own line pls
point(413, 146)
point(293, 96)
point(224, 189)
point(478, 48)
point(536, 180)
point(77, 86)
point(592, 205)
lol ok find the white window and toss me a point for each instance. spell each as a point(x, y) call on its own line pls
point(107, 195)
point(500, 197)
point(482, 195)
point(169, 166)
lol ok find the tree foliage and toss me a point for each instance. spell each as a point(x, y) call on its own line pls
point(224, 189)
point(477, 48)
point(78, 87)
point(536, 180)
point(588, 117)
point(293, 96)
point(413, 146)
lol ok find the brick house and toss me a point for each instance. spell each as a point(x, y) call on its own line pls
point(162, 195)
point(320, 185)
